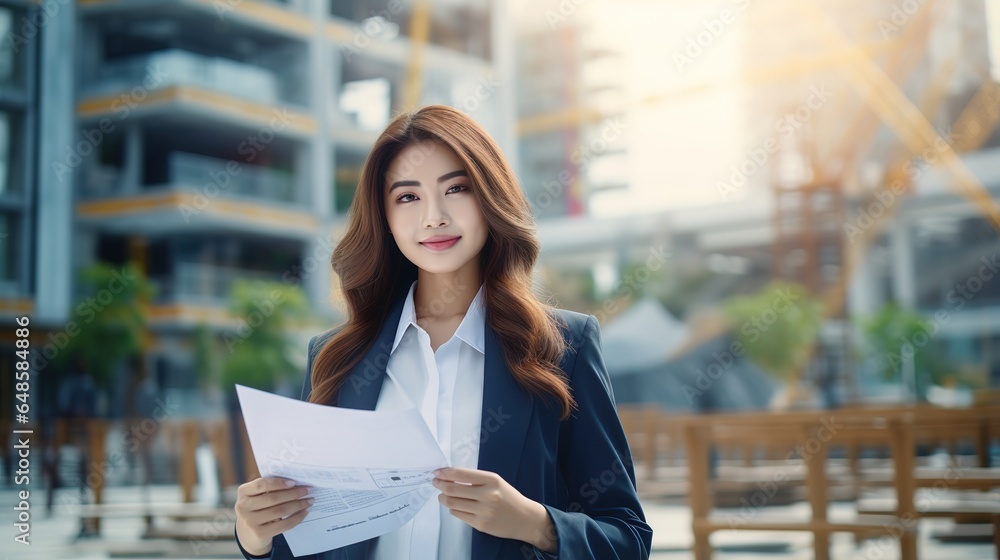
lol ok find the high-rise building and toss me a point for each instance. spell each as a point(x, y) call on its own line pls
point(36, 126)
point(213, 141)
point(571, 91)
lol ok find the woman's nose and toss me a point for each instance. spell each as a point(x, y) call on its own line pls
point(434, 215)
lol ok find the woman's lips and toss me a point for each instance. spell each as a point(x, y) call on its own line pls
point(441, 245)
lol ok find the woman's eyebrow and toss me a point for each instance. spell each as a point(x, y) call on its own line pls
point(450, 174)
point(445, 177)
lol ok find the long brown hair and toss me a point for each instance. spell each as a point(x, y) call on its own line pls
point(373, 272)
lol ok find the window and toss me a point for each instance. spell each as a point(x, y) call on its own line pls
point(10, 159)
point(993, 29)
point(367, 102)
point(12, 49)
point(9, 236)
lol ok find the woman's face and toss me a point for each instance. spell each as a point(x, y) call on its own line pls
point(428, 196)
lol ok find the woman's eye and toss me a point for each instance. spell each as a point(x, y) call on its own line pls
point(460, 188)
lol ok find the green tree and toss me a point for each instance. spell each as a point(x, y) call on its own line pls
point(110, 317)
point(895, 335)
point(207, 357)
point(778, 327)
point(258, 353)
point(255, 354)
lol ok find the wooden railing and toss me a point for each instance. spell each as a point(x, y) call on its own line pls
point(180, 437)
point(806, 440)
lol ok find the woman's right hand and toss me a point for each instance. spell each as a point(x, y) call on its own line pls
point(260, 506)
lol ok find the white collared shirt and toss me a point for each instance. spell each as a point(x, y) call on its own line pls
point(447, 387)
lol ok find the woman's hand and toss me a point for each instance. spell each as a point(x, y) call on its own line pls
point(492, 506)
point(260, 506)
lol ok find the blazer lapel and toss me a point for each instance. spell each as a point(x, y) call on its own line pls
point(507, 411)
point(364, 384)
point(361, 392)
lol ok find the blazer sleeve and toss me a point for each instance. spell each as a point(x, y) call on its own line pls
point(604, 519)
point(279, 547)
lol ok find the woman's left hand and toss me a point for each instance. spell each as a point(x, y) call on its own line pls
point(491, 505)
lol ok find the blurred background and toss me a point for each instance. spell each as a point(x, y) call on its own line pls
point(784, 215)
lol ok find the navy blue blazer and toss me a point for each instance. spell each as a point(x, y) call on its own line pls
point(580, 469)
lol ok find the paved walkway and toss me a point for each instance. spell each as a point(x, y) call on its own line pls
point(53, 537)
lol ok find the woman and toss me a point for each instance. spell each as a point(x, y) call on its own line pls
point(436, 268)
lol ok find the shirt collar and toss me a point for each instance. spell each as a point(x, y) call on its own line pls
point(470, 330)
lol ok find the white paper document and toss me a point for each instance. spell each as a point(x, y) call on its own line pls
point(370, 471)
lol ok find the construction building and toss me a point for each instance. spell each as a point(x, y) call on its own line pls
point(211, 142)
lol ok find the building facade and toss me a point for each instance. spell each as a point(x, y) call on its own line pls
point(211, 142)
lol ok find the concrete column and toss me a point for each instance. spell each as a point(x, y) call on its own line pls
point(316, 282)
point(131, 176)
point(84, 248)
point(502, 49)
point(862, 295)
point(322, 74)
point(904, 286)
point(57, 127)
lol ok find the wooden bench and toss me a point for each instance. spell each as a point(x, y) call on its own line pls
point(173, 512)
point(185, 436)
point(954, 478)
point(169, 548)
point(895, 429)
point(933, 425)
point(200, 531)
point(811, 434)
point(996, 533)
point(962, 510)
point(639, 423)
